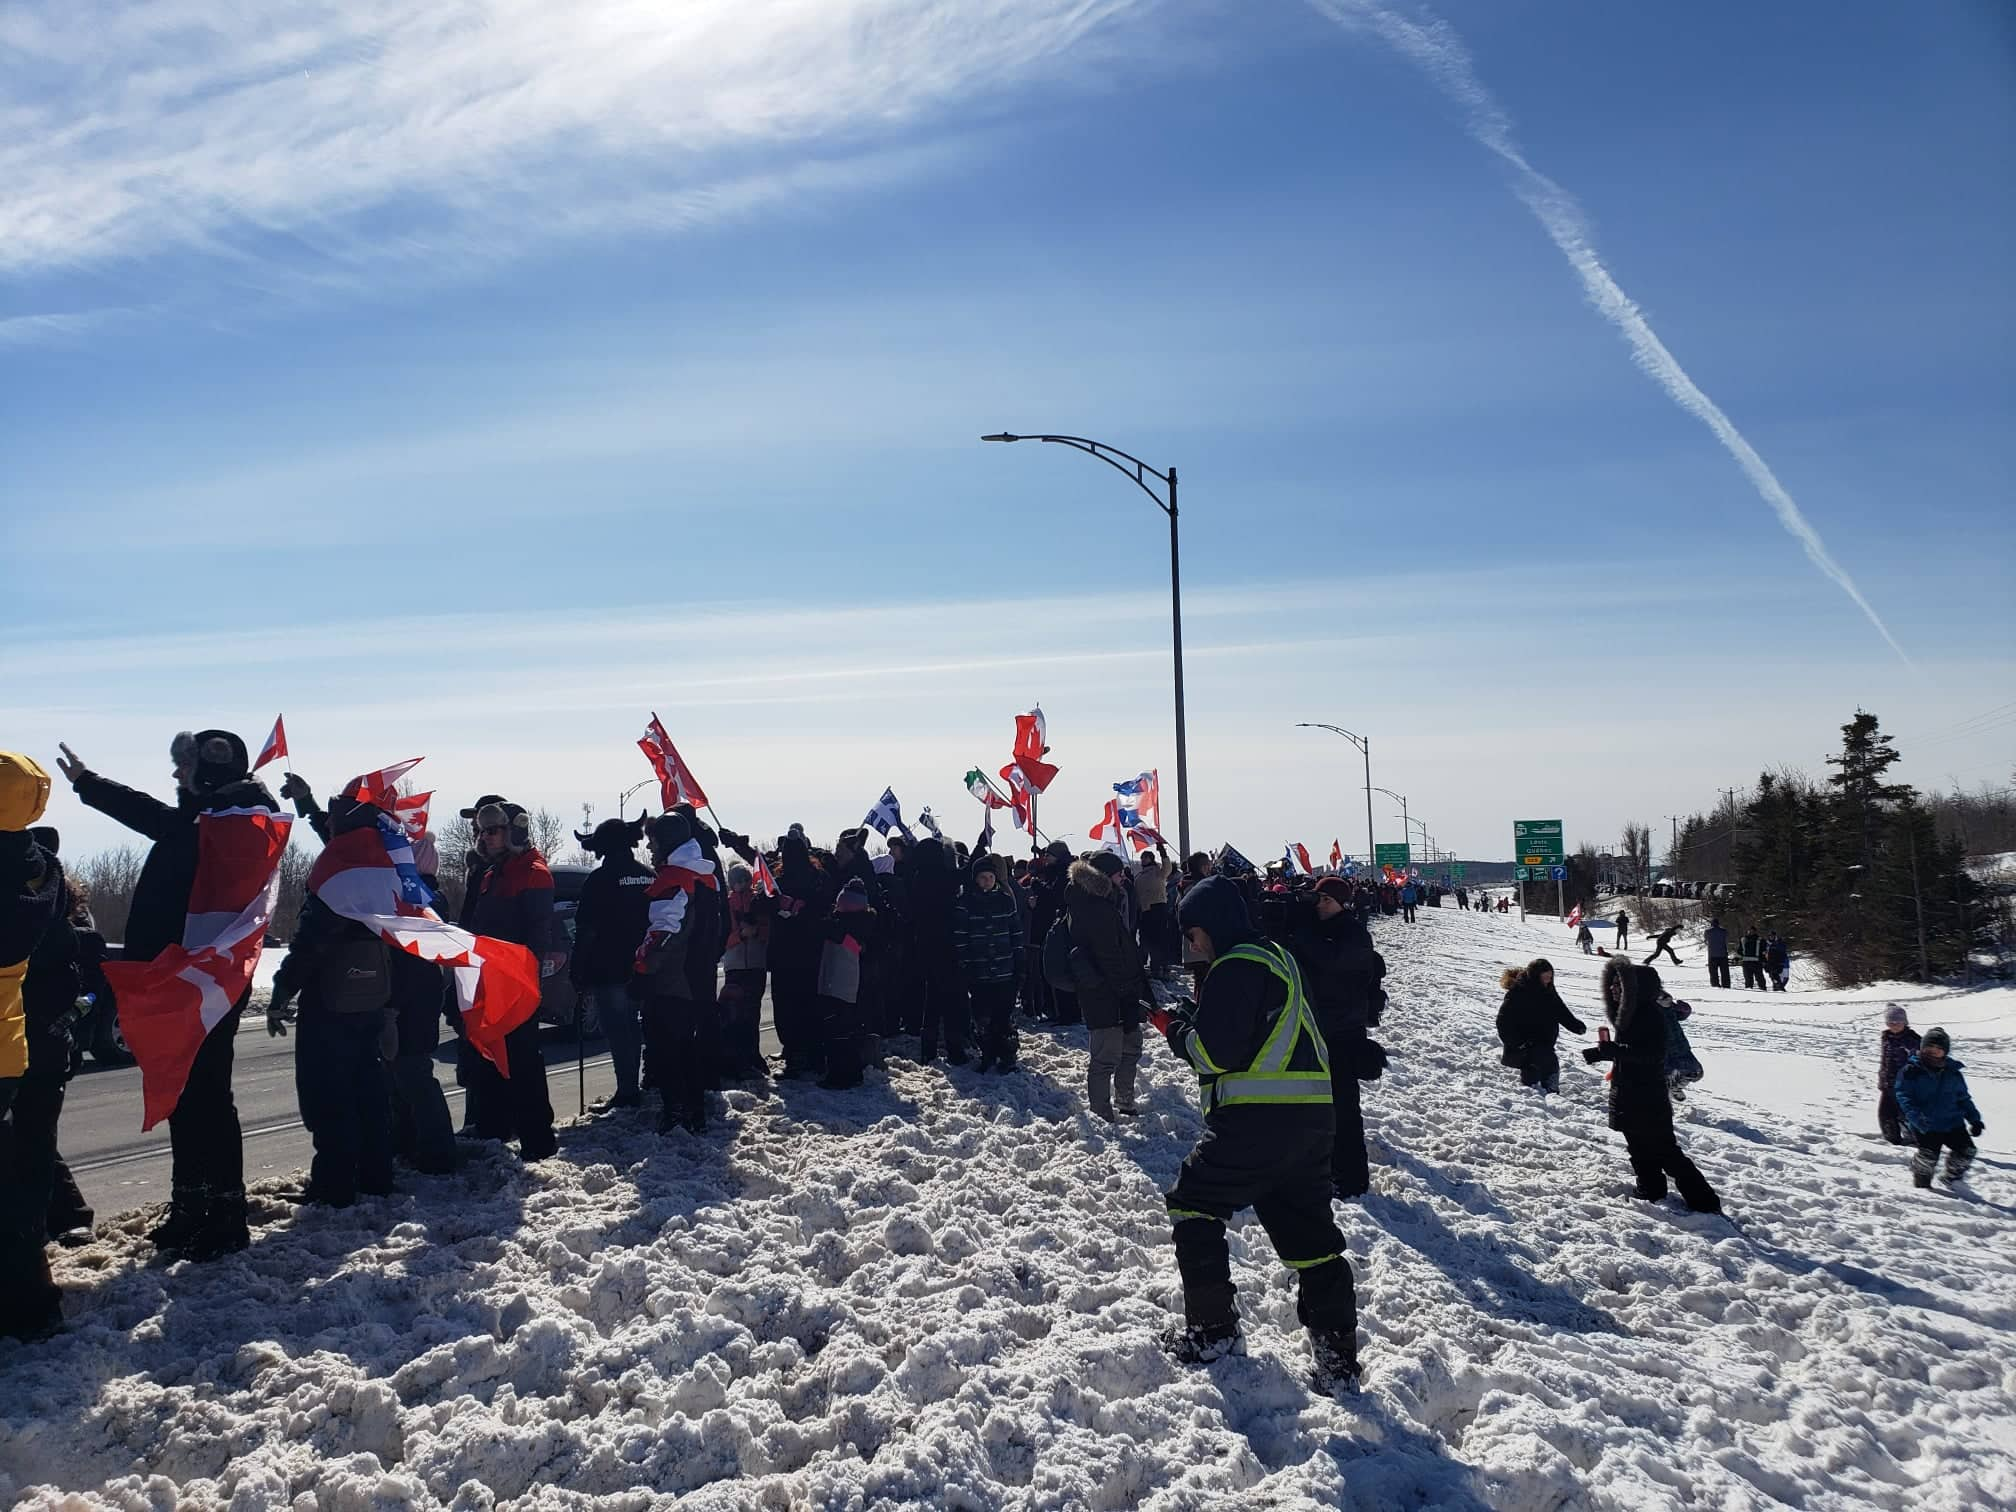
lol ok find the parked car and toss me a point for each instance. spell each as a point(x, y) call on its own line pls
point(558, 1001)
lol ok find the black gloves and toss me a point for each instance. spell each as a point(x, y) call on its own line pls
point(1977, 1128)
point(279, 1014)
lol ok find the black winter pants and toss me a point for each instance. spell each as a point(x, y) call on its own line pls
point(1753, 975)
point(206, 1148)
point(1718, 971)
point(339, 1076)
point(516, 1104)
point(945, 1012)
point(29, 1298)
point(422, 1130)
point(1540, 1066)
point(1959, 1154)
point(1665, 950)
point(1890, 1119)
point(794, 1001)
point(1656, 1155)
point(741, 1008)
point(1158, 936)
point(677, 1048)
point(1283, 1174)
point(994, 1012)
point(1350, 1172)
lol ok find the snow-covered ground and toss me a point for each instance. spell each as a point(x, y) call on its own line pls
point(943, 1291)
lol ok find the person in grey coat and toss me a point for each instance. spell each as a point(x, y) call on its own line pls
point(1106, 966)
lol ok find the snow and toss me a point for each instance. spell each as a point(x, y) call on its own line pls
point(943, 1289)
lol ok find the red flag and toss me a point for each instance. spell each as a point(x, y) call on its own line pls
point(380, 789)
point(169, 1004)
point(1336, 855)
point(675, 779)
point(411, 813)
point(765, 879)
point(1031, 734)
point(1575, 916)
point(275, 748)
point(1302, 859)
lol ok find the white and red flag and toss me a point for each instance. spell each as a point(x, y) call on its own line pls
point(1302, 859)
point(368, 875)
point(1575, 916)
point(1109, 828)
point(676, 784)
point(1032, 735)
point(169, 1004)
point(410, 810)
point(765, 878)
point(380, 789)
point(1336, 855)
point(275, 748)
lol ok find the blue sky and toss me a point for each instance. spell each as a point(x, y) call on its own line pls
point(472, 385)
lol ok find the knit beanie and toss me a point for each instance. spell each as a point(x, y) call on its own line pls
point(1938, 1037)
point(1894, 1017)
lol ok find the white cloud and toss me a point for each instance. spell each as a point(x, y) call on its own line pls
point(469, 128)
point(1433, 46)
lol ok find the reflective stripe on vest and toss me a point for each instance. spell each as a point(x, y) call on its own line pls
point(1274, 1075)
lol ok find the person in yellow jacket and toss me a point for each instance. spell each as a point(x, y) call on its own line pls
point(31, 900)
point(1264, 1079)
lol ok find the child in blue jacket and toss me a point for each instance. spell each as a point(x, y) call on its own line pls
point(1932, 1091)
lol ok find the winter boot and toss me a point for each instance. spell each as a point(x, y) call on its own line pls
point(1336, 1361)
point(1956, 1167)
point(223, 1230)
point(185, 1215)
point(1201, 1343)
point(1920, 1179)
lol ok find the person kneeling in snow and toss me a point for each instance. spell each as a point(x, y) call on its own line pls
point(1900, 1043)
point(1265, 1085)
point(1932, 1090)
point(1640, 1106)
point(684, 910)
point(1530, 1021)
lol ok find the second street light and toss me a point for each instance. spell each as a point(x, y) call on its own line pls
point(1364, 744)
point(1141, 472)
point(1406, 828)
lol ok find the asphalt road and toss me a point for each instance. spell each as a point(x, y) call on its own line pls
point(119, 1167)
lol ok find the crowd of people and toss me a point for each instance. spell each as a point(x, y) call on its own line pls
point(1265, 984)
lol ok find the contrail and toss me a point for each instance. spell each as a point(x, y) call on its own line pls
point(1437, 51)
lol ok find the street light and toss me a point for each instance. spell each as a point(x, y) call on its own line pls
point(1133, 467)
point(625, 796)
point(1406, 832)
point(1364, 744)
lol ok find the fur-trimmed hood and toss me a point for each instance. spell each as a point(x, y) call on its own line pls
point(1640, 989)
point(1088, 878)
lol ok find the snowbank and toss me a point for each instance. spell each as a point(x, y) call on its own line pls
point(943, 1291)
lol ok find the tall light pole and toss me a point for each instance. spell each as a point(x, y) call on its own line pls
point(1427, 842)
point(1364, 744)
point(625, 796)
point(1141, 472)
point(1406, 829)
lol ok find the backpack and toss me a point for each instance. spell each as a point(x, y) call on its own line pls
point(354, 975)
point(1057, 957)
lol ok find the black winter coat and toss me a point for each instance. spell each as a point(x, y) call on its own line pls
point(609, 923)
point(49, 991)
point(1341, 972)
point(1533, 1015)
point(514, 901)
point(161, 895)
point(1639, 1103)
point(1105, 964)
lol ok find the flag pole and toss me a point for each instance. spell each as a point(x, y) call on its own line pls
point(1009, 803)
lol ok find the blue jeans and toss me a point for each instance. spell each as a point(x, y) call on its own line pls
point(619, 1022)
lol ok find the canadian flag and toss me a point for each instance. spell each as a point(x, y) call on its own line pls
point(275, 748)
point(167, 1006)
point(1575, 916)
point(676, 784)
point(1302, 858)
point(411, 814)
point(1032, 733)
point(1336, 855)
point(381, 788)
point(765, 878)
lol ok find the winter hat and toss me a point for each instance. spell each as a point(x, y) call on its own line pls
point(1107, 863)
point(1894, 1017)
point(740, 875)
point(1537, 965)
point(1939, 1037)
point(1335, 887)
point(24, 790)
point(613, 837)
point(426, 860)
point(670, 831)
point(853, 898)
point(481, 804)
point(221, 757)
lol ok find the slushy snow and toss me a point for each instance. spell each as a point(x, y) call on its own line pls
point(944, 1291)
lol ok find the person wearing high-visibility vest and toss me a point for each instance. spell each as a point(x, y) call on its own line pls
point(1264, 1079)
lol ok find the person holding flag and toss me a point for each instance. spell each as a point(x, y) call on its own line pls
point(213, 775)
point(683, 915)
point(341, 970)
point(512, 900)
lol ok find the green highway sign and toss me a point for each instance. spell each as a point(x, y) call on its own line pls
point(1537, 842)
point(1389, 855)
point(1456, 871)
